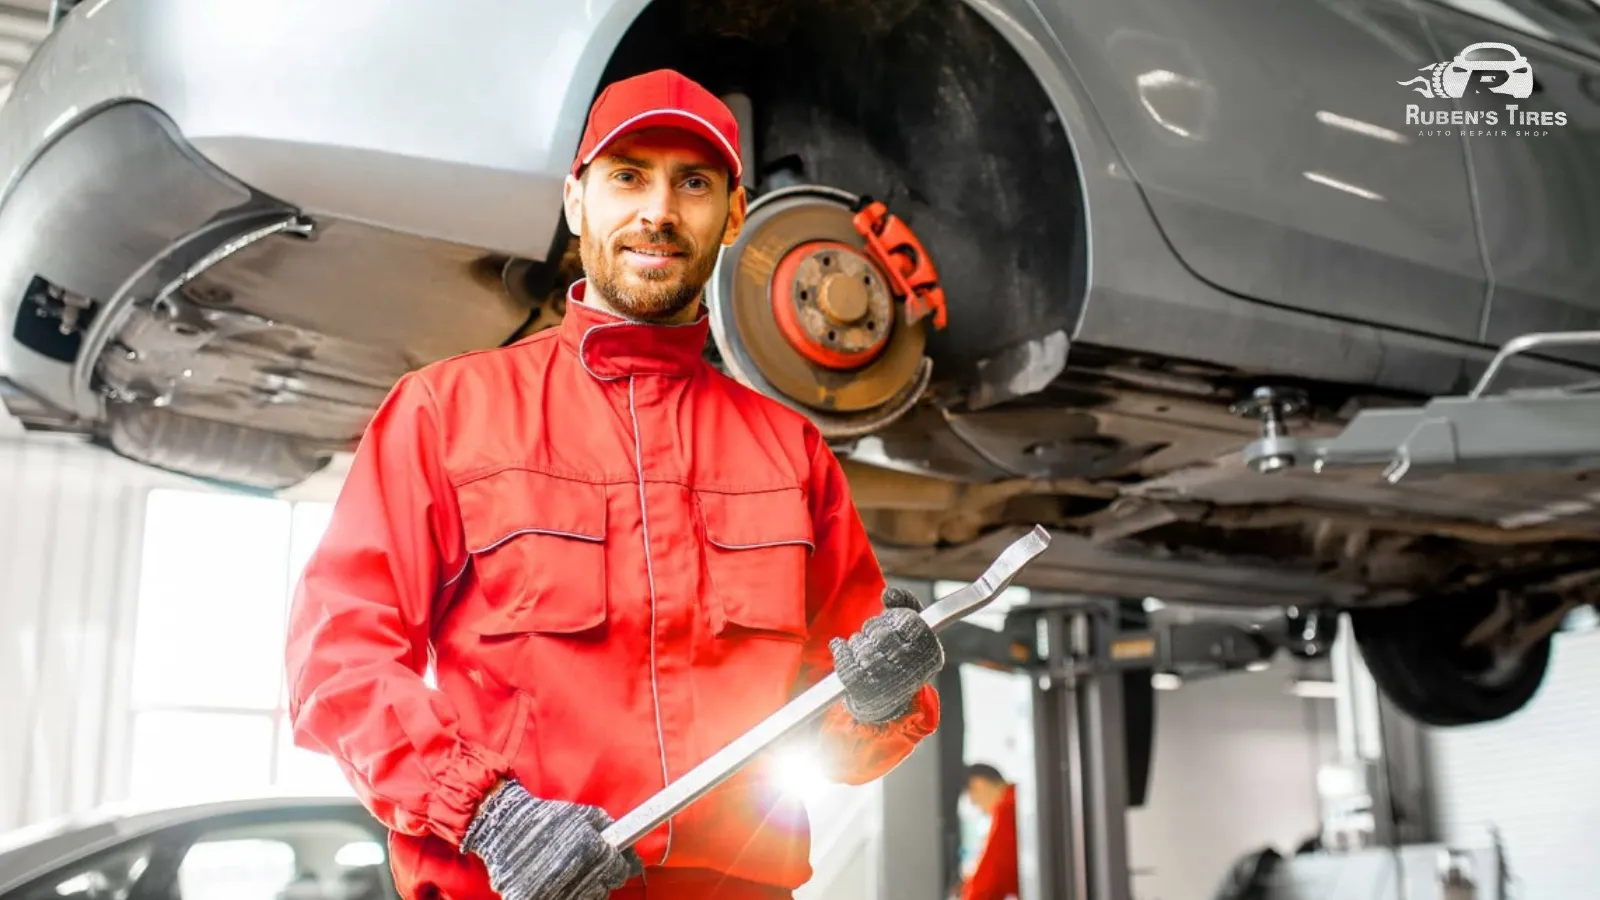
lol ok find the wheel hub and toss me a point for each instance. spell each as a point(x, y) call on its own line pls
point(801, 312)
point(832, 305)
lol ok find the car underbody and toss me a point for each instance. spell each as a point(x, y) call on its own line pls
point(204, 326)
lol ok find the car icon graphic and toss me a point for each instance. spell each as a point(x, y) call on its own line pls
point(1516, 82)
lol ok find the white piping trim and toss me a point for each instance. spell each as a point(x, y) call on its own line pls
point(800, 543)
point(521, 531)
point(650, 576)
point(583, 341)
point(466, 563)
point(733, 154)
point(460, 572)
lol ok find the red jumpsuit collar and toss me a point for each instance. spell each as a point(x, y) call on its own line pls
point(610, 346)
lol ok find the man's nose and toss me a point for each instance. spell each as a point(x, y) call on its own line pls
point(660, 210)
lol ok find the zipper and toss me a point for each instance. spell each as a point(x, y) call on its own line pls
point(650, 576)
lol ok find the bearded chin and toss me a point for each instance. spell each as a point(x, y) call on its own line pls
point(660, 297)
point(650, 296)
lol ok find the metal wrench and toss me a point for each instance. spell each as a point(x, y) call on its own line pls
point(723, 764)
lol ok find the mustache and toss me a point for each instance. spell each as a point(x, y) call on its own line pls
point(654, 238)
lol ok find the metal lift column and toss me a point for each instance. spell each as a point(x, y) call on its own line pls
point(1080, 826)
point(1075, 829)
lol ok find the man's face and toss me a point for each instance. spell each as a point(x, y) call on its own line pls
point(985, 794)
point(651, 214)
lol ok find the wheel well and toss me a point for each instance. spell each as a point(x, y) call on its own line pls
point(921, 104)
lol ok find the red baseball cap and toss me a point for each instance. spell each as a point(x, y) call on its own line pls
point(663, 98)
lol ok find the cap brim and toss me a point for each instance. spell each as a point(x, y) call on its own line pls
point(668, 118)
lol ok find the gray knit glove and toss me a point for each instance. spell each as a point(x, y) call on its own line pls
point(887, 662)
point(546, 849)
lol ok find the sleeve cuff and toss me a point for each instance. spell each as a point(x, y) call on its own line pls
point(460, 786)
point(856, 753)
point(923, 719)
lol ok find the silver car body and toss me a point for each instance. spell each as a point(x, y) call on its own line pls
point(1252, 203)
point(54, 849)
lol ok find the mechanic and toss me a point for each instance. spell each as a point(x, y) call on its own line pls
point(995, 877)
point(614, 560)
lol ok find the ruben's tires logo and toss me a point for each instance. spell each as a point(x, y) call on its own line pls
point(1480, 73)
point(1512, 77)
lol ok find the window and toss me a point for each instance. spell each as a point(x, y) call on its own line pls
point(208, 702)
point(244, 869)
point(301, 860)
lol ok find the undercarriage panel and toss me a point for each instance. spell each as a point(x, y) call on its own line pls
point(305, 336)
point(1486, 500)
point(1076, 565)
point(154, 303)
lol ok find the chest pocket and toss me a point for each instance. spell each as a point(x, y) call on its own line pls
point(757, 549)
point(538, 550)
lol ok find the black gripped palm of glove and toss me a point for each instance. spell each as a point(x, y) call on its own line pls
point(887, 662)
point(539, 849)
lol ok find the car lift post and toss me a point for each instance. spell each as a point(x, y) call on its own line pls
point(1078, 832)
point(1081, 761)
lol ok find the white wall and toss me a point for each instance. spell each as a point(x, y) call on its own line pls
point(69, 554)
point(1530, 777)
point(1235, 768)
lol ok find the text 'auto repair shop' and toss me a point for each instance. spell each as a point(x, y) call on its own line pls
point(862, 450)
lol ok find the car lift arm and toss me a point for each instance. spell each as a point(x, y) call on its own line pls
point(1543, 429)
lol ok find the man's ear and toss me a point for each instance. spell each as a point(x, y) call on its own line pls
point(572, 202)
point(738, 203)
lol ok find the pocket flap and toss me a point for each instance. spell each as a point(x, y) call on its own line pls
point(750, 521)
point(756, 560)
point(512, 502)
point(537, 542)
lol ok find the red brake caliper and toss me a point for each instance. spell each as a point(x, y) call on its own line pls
point(903, 258)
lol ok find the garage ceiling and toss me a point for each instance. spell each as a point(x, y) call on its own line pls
point(23, 26)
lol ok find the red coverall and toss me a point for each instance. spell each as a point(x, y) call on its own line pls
point(617, 561)
point(996, 878)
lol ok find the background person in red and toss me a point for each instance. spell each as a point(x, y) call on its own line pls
point(616, 561)
point(995, 878)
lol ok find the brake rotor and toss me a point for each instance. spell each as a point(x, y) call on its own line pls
point(800, 308)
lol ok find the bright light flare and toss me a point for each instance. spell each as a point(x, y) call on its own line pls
point(797, 772)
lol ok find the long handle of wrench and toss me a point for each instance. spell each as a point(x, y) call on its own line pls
point(800, 711)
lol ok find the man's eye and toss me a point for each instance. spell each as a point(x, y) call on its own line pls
point(623, 176)
point(697, 183)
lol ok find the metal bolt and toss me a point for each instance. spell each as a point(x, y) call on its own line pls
point(1271, 406)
